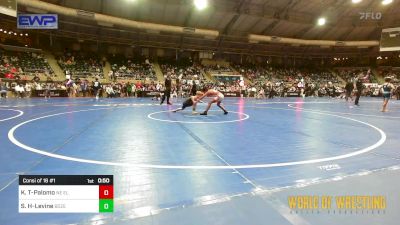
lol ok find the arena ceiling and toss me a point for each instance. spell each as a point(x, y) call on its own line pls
point(235, 19)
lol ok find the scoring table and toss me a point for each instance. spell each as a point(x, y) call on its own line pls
point(66, 193)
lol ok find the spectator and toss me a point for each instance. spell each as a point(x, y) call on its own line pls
point(110, 91)
point(28, 89)
point(3, 90)
point(19, 90)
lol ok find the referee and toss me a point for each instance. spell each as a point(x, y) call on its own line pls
point(359, 86)
point(167, 91)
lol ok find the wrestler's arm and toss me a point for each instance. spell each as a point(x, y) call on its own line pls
point(204, 95)
point(194, 100)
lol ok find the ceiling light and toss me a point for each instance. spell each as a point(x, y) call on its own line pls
point(26, 34)
point(21, 34)
point(386, 2)
point(1, 30)
point(200, 4)
point(356, 1)
point(321, 21)
point(15, 33)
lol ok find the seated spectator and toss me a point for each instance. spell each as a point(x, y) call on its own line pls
point(24, 63)
point(183, 72)
point(131, 68)
point(19, 90)
point(110, 91)
point(78, 64)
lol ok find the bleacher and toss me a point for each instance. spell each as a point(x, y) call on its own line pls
point(80, 65)
point(184, 70)
point(349, 73)
point(131, 68)
point(24, 63)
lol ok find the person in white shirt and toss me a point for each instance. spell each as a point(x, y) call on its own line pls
point(174, 93)
point(110, 75)
point(261, 93)
point(242, 87)
point(110, 91)
point(28, 89)
point(19, 89)
point(254, 92)
point(133, 90)
point(38, 86)
point(301, 85)
point(158, 86)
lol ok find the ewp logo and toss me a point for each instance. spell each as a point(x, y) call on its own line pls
point(37, 21)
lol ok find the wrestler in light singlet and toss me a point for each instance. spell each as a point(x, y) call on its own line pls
point(217, 97)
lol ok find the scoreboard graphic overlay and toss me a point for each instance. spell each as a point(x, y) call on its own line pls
point(66, 193)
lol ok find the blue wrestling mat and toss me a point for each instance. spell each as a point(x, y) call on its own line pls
point(168, 161)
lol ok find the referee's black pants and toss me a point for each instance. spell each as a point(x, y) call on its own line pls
point(167, 94)
point(358, 95)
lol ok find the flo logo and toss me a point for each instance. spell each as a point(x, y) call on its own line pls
point(370, 15)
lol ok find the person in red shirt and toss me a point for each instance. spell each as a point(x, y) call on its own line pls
point(13, 70)
point(9, 76)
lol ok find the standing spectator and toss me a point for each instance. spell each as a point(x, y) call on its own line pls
point(28, 89)
point(96, 87)
point(84, 87)
point(398, 92)
point(110, 91)
point(300, 86)
point(111, 75)
point(133, 86)
point(158, 86)
point(3, 90)
point(261, 93)
point(129, 89)
point(387, 89)
point(47, 89)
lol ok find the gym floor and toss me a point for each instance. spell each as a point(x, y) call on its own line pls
point(179, 168)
